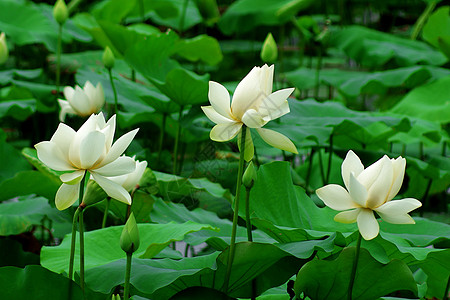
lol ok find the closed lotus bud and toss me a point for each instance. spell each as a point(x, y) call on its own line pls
point(269, 51)
point(129, 239)
point(94, 193)
point(115, 297)
point(3, 49)
point(249, 177)
point(108, 58)
point(60, 12)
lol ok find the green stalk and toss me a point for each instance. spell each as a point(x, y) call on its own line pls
point(72, 5)
point(317, 80)
point(248, 222)
point(322, 172)
point(161, 137)
point(422, 19)
point(116, 111)
point(105, 214)
point(308, 174)
point(133, 75)
point(330, 156)
point(355, 265)
point(236, 209)
point(177, 141)
point(126, 292)
point(81, 222)
point(446, 289)
point(58, 59)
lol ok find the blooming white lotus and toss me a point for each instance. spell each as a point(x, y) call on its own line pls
point(129, 181)
point(253, 104)
point(369, 190)
point(82, 101)
point(88, 149)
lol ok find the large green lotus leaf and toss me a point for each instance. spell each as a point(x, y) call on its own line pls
point(437, 29)
point(18, 217)
point(43, 93)
point(113, 10)
point(162, 279)
point(164, 9)
point(200, 48)
point(39, 283)
point(372, 48)
point(417, 102)
point(437, 269)
point(6, 76)
point(102, 245)
point(184, 87)
point(245, 15)
point(31, 155)
point(321, 279)
point(422, 131)
point(10, 159)
point(12, 253)
point(17, 103)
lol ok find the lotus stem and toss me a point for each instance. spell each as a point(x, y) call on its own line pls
point(161, 137)
point(422, 19)
point(81, 229)
point(322, 172)
point(248, 222)
point(133, 75)
point(446, 289)
point(58, 59)
point(318, 67)
point(105, 214)
point(308, 174)
point(116, 111)
point(330, 157)
point(355, 265)
point(236, 209)
point(177, 141)
point(126, 292)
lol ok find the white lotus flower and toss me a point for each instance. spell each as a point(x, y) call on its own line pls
point(129, 181)
point(369, 190)
point(82, 101)
point(253, 104)
point(88, 149)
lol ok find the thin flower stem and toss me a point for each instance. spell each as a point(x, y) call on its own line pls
point(58, 59)
point(72, 245)
point(317, 79)
point(236, 209)
point(116, 111)
point(81, 223)
point(308, 174)
point(161, 137)
point(105, 214)
point(322, 172)
point(177, 141)
point(422, 19)
point(446, 289)
point(126, 292)
point(355, 265)
point(330, 156)
point(133, 75)
point(248, 222)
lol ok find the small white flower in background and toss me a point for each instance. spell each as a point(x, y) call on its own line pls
point(88, 149)
point(129, 181)
point(253, 104)
point(369, 190)
point(82, 101)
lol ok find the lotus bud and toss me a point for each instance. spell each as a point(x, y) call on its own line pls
point(129, 239)
point(249, 177)
point(269, 51)
point(108, 58)
point(3, 49)
point(60, 12)
point(115, 297)
point(94, 193)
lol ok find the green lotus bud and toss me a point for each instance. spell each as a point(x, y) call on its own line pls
point(108, 58)
point(129, 239)
point(115, 297)
point(60, 12)
point(3, 49)
point(94, 193)
point(269, 51)
point(249, 177)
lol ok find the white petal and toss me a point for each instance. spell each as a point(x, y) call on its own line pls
point(99, 96)
point(215, 116)
point(121, 166)
point(91, 148)
point(336, 197)
point(119, 147)
point(110, 130)
point(399, 166)
point(113, 189)
point(396, 211)
point(351, 163)
point(225, 132)
point(371, 173)
point(68, 92)
point(367, 224)
point(65, 109)
point(133, 179)
point(379, 190)
point(66, 195)
point(249, 147)
point(220, 99)
point(72, 178)
point(266, 78)
point(80, 102)
point(63, 137)
point(347, 217)
point(275, 105)
point(248, 93)
point(89, 89)
point(277, 140)
point(357, 191)
point(50, 154)
point(253, 119)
